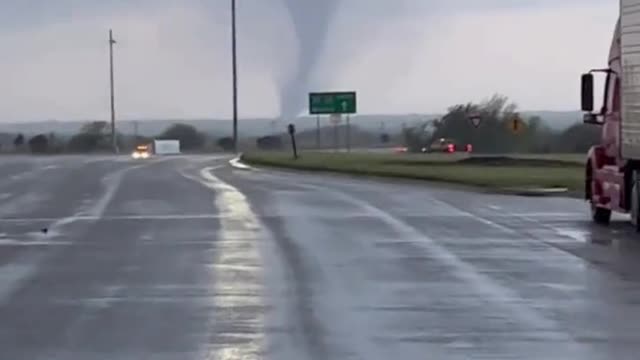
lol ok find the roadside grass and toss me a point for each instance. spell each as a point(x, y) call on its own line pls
point(489, 172)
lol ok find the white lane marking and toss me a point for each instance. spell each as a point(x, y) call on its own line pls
point(113, 217)
point(236, 163)
point(573, 234)
point(494, 207)
point(241, 225)
point(14, 274)
point(571, 215)
point(535, 218)
point(95, 160)
point(25, 174)
point(111, 183)
point(105, 302)
point(239, 238)
point(470, 215)
point(14, 242)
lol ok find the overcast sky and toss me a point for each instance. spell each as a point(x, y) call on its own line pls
point(173, 57)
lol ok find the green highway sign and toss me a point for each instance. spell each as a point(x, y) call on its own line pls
point(332, 103)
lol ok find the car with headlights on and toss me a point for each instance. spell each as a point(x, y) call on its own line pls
point(141, 152)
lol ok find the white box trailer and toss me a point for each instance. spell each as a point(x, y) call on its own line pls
point(166, 147)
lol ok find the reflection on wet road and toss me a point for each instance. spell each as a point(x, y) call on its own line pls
point(187, 258)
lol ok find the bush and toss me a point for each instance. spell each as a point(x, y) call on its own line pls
point(190, 138)
point(39, 144)
point(85, 142)
point(494, 136)
point(226, 143)
point(18, 141)
point(269, 143)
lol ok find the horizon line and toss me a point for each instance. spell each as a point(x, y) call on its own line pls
point(254, 118)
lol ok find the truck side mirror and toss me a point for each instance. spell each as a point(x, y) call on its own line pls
point(587, 92)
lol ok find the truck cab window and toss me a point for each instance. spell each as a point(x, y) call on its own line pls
point(617, 105)
point(612, 95)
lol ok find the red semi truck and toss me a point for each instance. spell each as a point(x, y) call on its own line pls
point(613, 166)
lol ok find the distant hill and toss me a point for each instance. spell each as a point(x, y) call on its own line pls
point(376, 124)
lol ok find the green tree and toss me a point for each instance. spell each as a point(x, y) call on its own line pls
point(491, 136)
point(93, 136)
point(83, 143)
point(39, 144)
point(96, 128)
point(190, 138)
point(578, 138)
point(226, 143)
point(418, 137)
point(18, 141)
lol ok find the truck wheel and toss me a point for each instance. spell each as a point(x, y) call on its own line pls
point(600, 215)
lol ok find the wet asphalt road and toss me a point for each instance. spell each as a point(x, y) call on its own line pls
point(187, 258)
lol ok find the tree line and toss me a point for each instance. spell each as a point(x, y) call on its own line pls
point(491, 135)
point(494, 132)
point(95, 137)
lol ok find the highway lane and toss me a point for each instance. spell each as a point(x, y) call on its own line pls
point(187, 258)
point(387, 269)
point(125, 270)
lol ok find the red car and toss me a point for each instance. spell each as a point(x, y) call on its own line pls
point(447, 146)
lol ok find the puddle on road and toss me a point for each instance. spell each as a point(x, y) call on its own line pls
point(618, 236)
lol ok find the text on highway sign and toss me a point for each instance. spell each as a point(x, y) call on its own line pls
point(332, 103)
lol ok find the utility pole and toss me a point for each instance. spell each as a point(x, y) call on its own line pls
point(234, 65)
point(317, 131)
point(114, 143)
point(348, 133)
point(135, 129)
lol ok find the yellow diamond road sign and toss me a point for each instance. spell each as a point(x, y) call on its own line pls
point(516, 125)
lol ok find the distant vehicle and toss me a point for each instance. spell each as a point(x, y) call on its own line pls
point(166, 147)
point(400, 150)
point(141, 152)
point(447, 146)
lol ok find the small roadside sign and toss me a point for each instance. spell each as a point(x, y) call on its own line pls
point(335, 119)
point(516, 125)
point(291, 128)
point(475, 120)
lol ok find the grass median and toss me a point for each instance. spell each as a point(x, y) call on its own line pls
point(488, 172)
